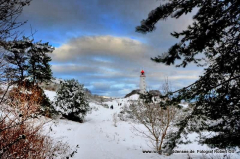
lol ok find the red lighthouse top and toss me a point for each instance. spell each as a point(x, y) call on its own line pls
point(142, 72)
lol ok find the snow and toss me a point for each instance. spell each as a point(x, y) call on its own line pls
point(97, 137)
point(133, 97)
point(57, 81)
point(184, 105)
point(106, 97)
point(50, 94)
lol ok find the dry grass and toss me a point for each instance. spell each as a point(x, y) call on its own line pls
point(21, 133)
point(1, 91)
point(26, 141)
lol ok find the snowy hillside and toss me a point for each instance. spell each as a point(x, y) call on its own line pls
point(98, 138)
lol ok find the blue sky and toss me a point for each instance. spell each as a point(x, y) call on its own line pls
point(95, 42)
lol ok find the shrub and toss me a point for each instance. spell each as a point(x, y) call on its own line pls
point(105, 106)
point(71, 100)
point(1, 91)
point(27, 90)
point(26, 141)
point(115, 119)
point(21, 134)
point(158, 118)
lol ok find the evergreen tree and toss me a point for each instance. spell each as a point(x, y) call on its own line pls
point(215, 34)
point(39, 68)
point(71, 100)
point(28, 59)
point(17, 58)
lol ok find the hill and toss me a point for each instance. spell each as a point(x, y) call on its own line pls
point(137, 91)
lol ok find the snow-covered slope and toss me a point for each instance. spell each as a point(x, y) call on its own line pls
point(98, 138)
point(50, 94)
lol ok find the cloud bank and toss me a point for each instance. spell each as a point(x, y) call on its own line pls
point(111, 65)
point(96, 43)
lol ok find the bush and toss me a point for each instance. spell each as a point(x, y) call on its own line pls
point(71, 100)
point(49, 86)
point(21, 134)
point(105, 106)
point(115, 119)
point(27, 90)
point(26, 141)
point(1, 91)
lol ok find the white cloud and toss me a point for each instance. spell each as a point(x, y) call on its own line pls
point(114, 64)
point(99, 45)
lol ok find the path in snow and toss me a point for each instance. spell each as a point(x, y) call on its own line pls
point(98, 138)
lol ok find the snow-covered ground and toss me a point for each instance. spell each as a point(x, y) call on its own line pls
point(98, 138)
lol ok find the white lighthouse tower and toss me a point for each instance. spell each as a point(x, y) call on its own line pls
point(142, 82)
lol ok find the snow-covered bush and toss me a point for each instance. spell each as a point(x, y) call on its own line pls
point(126, 113)
point(158, 121)
point(94, 108)
point(158, 118)
point(71, 100)
point(115, 119)
point(121, 116)
point(105, 106)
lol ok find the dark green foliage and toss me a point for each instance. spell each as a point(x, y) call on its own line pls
point(47, 106)
point(74, 116)
point(28, 59)
point(137, 91)
point(215, 34)
point(147, 97)
point(71, 100)
point(17, 58)
point(39, 68)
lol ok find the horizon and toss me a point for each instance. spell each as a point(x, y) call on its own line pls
point(96, 43)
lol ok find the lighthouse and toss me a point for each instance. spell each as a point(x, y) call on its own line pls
point(142, 82)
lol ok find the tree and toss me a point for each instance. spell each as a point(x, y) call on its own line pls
point(39, 67)
point(215, 35)
point(156, 117)
point(21, 136)
point(9, 12)
point(71, 100)
point(17, 58)
point(29, 59)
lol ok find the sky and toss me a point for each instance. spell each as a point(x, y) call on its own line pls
point(96, 43)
